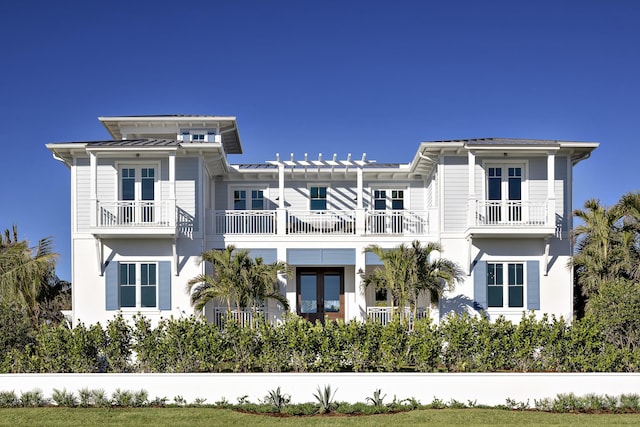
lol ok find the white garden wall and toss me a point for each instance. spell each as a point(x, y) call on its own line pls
point(484, 388)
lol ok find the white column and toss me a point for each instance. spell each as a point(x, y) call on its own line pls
point(358, 310)
point(360, 217)
point(93, 191)
point(281, 212)
point(471, 202)
point(171, 210)
point(551, 189)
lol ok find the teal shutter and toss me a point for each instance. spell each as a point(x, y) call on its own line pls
point(111, 285)
point(480, 285)
point(164, 285)
point(533, 285)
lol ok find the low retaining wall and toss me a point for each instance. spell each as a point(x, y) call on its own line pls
point(483, 388)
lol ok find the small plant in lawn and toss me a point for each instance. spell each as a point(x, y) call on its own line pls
point(179, 400)
point(122, 398)
point(9, 399)
point(100, 399)
point(242, 400)
point(325, 398)
point(140, 398)
point(199, 401)
point(277, 399)
point(85, 397)
point(437, 404)
point(64, 398)
point(630, 402)
point(159, 402)
point(32, 398)
point(377, 400)
point(515, 405)
point(223, 403)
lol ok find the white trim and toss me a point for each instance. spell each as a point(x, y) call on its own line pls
point(505, 309)
point(157, 188)
point(319, 185)
point(138, 284)
point(493, 163)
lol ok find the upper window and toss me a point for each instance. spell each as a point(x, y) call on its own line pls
point(240, 201)
point(138, 285)
point(509, 293)
point(318, 198)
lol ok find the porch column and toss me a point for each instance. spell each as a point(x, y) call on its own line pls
point(358, 310)
point(471, 202)
point(93, 190)
point(551, 189)
point(171, 208)
point(281, 212)
point(360, 217)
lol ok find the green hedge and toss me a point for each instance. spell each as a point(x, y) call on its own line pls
point(458, 344)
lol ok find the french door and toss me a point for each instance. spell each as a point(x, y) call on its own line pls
point(320, 293)
point(504, 194)
point(388, 217)
point(137, 194)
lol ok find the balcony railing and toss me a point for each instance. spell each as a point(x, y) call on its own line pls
point(321, 222)
point(129, 213)
point(384, 315)
point(245, 222)
point(246, 317)
point(511, 213)
point(396, 222)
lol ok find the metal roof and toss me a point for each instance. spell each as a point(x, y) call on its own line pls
point(142, 142)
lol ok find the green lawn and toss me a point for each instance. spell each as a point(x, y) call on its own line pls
point(194, 417)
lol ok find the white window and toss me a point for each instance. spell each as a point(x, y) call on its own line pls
point(138, 285)
point(388, 200)
point(505, 293)
point(504, 189)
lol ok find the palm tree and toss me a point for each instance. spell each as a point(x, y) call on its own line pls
point(237, 279)
point(25, 271)
point(409, 273)
point(264, 284)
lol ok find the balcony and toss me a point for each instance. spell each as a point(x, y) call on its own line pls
point(384, 315)
point(501, 218)
point(325, 222)
point(128, 218)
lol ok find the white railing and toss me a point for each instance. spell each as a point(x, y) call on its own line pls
point(321, 222)
point(384, 315)
point(245, 222)
point(396, 222)
point(511, 212)
point(129, 213)
point(247, 317)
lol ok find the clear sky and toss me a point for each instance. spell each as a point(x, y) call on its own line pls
point(316, 76)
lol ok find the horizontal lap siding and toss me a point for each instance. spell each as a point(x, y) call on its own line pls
point(455, 181)
point(106, 176)
point(537, 175)
point(188, 190)
point(83, 193)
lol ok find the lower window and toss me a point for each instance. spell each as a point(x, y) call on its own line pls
point(138, 285)
point(509, 294)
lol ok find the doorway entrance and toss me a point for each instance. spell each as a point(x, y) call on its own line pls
point(320, 293)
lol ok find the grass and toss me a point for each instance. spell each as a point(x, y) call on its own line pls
point(194, 417)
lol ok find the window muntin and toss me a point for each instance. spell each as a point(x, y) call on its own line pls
point(397, 199)
point(318, 198)
point(248, 199)
point(496, 296)
point(138, 285)
point(379, 200)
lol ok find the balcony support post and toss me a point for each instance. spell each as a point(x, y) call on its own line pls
point(171, 209)
point(281, 221)
point(360, 300)
point(471, 202)
point(551, 189)
point(93, 197)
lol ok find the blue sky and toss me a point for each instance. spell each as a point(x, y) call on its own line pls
point(316, 76)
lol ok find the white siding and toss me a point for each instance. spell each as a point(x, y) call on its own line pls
point(455, 182)
point(537, 179)
point(83, 193)
point(107, 180)
point(187, 192)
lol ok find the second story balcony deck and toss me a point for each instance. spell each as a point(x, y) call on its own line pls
point(320, 222)
point(511, 217)
point(128, 218)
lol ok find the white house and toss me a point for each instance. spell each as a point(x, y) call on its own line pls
point(149, 200)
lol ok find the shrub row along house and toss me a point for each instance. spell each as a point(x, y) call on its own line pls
point(146, 203)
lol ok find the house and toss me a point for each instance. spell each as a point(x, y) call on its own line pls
point(147, 201)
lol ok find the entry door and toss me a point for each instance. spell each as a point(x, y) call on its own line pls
point(504, 191)
point(320, 293)
point(137, 191)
